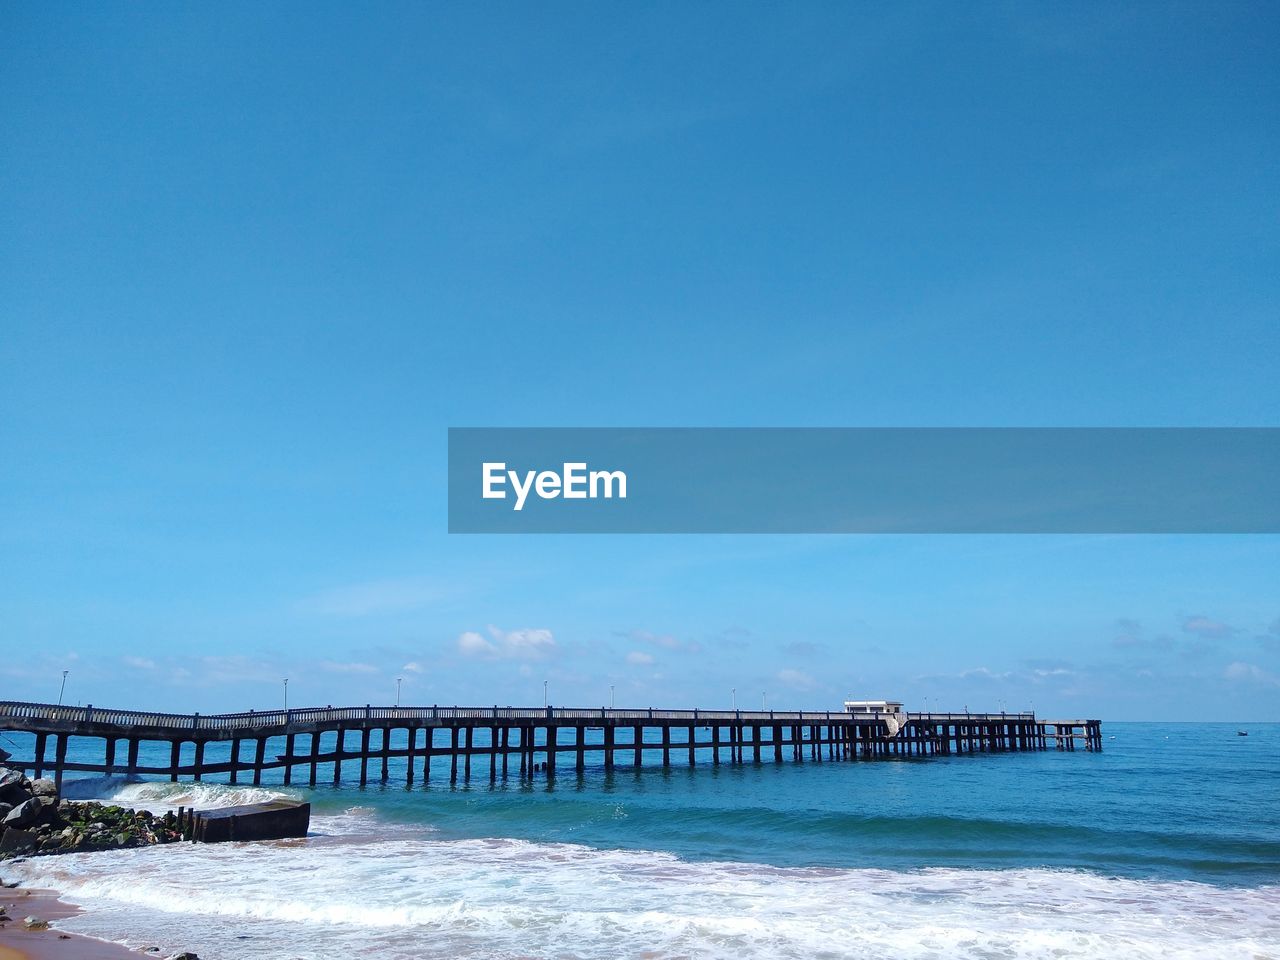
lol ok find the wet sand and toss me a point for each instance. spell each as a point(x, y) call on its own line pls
point(19, 943)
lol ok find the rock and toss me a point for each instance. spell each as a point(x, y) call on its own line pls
point(11, 788)
point(185, 955)
point(4, 810)
point(44, 787)
point(23, 815)
point(15, 841)
point(35, 923)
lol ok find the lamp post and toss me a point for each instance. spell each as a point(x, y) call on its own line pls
point(763, 695)
point(399, 680)
point(734, 693)
point(63, 688)
point(544, 693)
point(611, 696)
point(286, 693)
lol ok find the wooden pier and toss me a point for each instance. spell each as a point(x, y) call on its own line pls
point(497, 742)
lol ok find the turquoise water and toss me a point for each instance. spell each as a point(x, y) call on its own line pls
point(1161, 801)
point(1164, 846)
point(1166, 801)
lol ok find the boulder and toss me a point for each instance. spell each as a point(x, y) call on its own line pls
point(23, 815)
point(14, 841)
point(44, 787)
point(11, 788)
point(4, 810)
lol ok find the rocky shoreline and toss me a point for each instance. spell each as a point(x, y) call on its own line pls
point(34, 821)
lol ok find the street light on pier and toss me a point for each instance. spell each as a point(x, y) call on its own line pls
point(544, 693)
point(762, 700)
point(399, 680)
point(286, 693)
point(63, 688)
point(734, 693)
point(611, 696)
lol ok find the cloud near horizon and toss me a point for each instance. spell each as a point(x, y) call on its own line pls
point(525, 644)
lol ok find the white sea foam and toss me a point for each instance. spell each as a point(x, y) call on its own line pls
point(363, 889)
point(159, 796)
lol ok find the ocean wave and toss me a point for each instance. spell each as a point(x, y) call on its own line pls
point(416, 897)
point(159, 796)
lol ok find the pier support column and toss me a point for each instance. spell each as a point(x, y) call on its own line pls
point(493, 754)
point(666, 746)
point(693, 745)
point(199, 771)
point(110, 756)
point(259, 754)
point(608, 748)
point(582, 749)
point(755, 740)
point(60, 758)
point(410, 754)
point(288, 759)
point(506, 749)
point(715, 745)
point(41, 739)
point(553, 737)
point(339, 748)
point(235, 760)
point(364, 756)
point(637, 738)
point(132, 768)
point(315, 757)
point(453, 755)
point(776, 736)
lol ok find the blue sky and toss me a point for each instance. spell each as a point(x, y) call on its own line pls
point(256, 261)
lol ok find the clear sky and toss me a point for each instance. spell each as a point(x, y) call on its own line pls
point(257, 258)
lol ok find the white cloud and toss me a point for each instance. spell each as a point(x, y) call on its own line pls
point(984, 673)
point(1250, 673)
point(471, 644)
point(139, 663)
point(413, 667)
point(638, 658)
point(525, 644)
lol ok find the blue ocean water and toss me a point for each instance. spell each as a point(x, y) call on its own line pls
point(1164, 801)
point(1165, 844)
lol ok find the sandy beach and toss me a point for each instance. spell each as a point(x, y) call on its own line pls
point(19, 943)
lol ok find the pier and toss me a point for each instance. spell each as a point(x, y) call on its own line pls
point(498, 742)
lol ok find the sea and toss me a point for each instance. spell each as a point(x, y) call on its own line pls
point(1166, 844)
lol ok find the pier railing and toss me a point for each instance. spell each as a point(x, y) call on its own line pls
point(255, 720)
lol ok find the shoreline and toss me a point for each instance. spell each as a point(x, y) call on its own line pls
point(53, 943)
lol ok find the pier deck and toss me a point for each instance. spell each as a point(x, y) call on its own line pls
point(530, 740)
